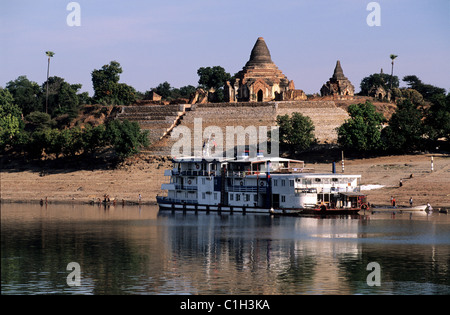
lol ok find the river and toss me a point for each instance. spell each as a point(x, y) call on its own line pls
point(140, 250)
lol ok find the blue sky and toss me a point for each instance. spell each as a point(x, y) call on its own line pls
point(157, 41)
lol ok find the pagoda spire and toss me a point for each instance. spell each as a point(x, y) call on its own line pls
point(338, 72)
point(260, 53)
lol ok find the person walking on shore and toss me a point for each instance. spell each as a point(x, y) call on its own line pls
point(410, 201)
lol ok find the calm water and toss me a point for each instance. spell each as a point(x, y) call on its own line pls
point(139, 250)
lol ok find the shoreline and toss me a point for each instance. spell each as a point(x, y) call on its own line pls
point(144, 176)
point(77, 202)
point(377, 208)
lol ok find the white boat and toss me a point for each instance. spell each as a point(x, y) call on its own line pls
point(258, 185)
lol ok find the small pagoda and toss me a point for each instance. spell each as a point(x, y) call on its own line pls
point(338, 84)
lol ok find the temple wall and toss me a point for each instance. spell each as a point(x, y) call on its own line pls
point(324, 114)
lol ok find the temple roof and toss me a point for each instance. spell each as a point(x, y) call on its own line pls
point(260, 54)
point(261, 66)
point(338, 72)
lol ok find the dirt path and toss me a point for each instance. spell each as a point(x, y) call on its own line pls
point(146, 176)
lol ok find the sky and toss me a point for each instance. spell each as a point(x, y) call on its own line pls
point(157, 41)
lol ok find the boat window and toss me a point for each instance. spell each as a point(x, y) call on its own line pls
point(317, 180)
point(305, 190)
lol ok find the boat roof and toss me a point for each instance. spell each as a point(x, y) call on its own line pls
point(199, 159)
point(314, 175)
point(267, 159)
point(244, 159)
point(352, 193)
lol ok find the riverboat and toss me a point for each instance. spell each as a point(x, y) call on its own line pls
point(258, 185)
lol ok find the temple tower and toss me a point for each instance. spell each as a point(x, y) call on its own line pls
point(338, 84)
point(260, 80)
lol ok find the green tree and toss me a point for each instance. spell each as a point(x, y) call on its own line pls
point(108, 90)
point(27, 94)
point(93, 138)
point(378, 79)
point(164, 90)
point(62, 97)
point(104, 82)
point(362, 132)
point(37, 121)
point(212, 77)
point(7, 104)
point(43, 142)
point(126, 94)
point(427, 90)
point(405, 130)
point(296, 132)
point(186, 91)
point(11, 123)
point(126, 137)
point(69, 142)
point(437, 121)
point(9, 128)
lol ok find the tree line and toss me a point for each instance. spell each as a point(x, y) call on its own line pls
point(35, 118)
point(420, 122)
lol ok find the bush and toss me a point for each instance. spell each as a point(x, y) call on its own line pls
point(296, 132)
point(362, 132)
point(406, 130)
point(126, 137)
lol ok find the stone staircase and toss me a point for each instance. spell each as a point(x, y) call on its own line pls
point(324, 114)
point(159, 120)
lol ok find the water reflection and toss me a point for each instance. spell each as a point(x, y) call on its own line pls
point(138, 250)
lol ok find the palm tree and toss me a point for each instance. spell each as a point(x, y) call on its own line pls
point(49, 55)
point(392, 56)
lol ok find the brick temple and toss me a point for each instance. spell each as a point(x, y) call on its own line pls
point(339, 84)
point(261, 81)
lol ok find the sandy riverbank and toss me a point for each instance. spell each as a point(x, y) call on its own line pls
point(145, 176)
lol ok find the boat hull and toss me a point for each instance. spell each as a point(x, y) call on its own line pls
point(174, 206)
